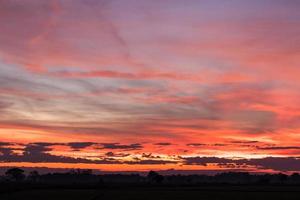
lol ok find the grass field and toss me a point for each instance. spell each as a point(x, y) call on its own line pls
point(174, 193)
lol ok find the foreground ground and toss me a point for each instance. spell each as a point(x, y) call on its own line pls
point(161, 193)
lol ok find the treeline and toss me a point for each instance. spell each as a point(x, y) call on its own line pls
point(16, 176)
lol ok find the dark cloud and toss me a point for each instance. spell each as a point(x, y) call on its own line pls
point(151, 162)
point(277, 163)
point(243, 141)
point(135, 146)
point(5, 143)
point(149, 155)
point(36, 149)
point(274, 163)
point(39, 153)
point(219, 145)
point(4, 151)
point(6, 148)
point(163, 144)
point(205, 160)
point(112, 154)
point(277, 147)
point(46, 144)
point(76, 146)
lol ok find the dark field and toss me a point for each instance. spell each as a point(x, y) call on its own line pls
point(161, 193)
point(84, 185)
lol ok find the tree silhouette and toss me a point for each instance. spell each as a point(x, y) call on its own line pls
point(154, 177)
point(15, 174)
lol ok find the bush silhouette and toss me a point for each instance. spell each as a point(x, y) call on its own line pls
point(33, 176)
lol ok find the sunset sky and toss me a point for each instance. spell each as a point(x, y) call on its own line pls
point(134, 85)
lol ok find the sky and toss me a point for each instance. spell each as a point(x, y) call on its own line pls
point(134, 85)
